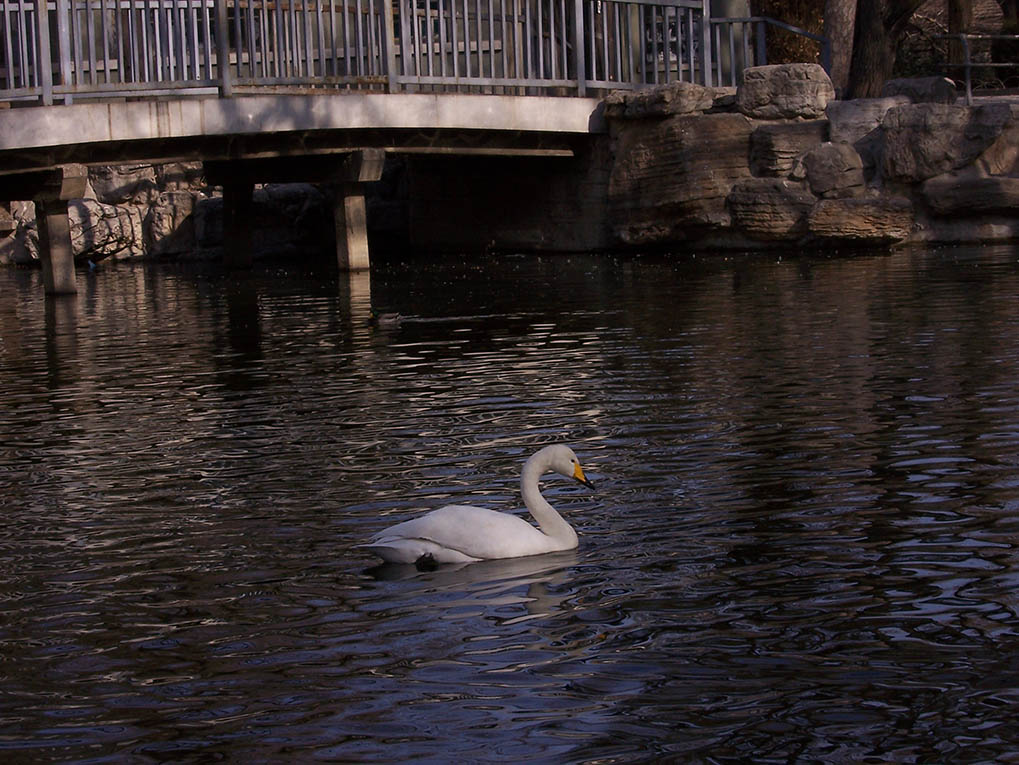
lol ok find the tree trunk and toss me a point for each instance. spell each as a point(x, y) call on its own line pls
point(839, 21)
point(960, 19)
point(880, 25)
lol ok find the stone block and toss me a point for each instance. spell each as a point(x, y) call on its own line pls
point(833, 170)
point(671, 177)
point(862, 221)
point(169, 225)
point(120, 184)
point(925, 140)
point(659, 101)
point(785, 91)
point(851, 121)
point(770, 208)
point(180, 176)
point(100, 231)
point(775, 147)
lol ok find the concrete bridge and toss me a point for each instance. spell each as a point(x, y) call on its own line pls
point(322, 90)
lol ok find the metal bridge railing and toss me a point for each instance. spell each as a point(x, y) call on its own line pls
point(115, 48)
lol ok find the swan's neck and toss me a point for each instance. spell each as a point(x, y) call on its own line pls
point(551, 523)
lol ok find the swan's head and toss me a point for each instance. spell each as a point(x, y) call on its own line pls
point(562, 460)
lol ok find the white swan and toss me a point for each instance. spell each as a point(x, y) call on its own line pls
point(464, 534)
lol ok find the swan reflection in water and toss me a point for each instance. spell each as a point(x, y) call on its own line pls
point(493, 582)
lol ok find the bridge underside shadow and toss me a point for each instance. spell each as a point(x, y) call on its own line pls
point(337, 139)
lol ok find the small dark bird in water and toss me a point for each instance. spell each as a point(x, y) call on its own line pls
point(384, 319)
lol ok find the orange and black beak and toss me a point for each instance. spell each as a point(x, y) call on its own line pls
point(578, 474)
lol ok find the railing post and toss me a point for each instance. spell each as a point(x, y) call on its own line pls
point(44, 60)
point(579, 43)
point(969, 68)
point(706, 42)
point(64, 45)
point(389, 41)
point(226, 88)
point(761, 44)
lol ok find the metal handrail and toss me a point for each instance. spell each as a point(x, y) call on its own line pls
point(66, 49)
point(968, 64)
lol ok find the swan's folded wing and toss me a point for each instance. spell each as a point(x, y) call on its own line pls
point(471, 531)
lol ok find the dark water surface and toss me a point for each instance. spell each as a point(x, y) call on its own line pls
point(804, 545)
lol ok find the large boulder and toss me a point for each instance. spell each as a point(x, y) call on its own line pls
point(120, 184)
point(784, 91)
point(770, 208)
point(855, 120)
point(775, 147)
point(832, 170)
point(660, 101)
point(100, 231)
point(862, 221)
point(181, 176)
point(170, 225)
point(925, 140)
point(671, 177)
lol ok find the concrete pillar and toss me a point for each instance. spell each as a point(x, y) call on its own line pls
point(351, 221)
point(238, 223)
point(349, 213)
point(55, 247)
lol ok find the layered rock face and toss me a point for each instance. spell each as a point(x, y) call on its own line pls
point(167, 211)
point(790, 165)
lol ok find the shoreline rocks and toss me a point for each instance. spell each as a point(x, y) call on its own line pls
point(776, 163)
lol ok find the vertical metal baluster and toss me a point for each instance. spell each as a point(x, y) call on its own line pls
point(205, 8)
point(22, 21)
point(564, 55)
point(253, 37)
point(540, 74)
point(118, 27)
point(346, 37)
point(272, 13)
point(519, 62)
point(370, 26)
point(503, 40)
point(666, 46)
point(320, 54)
point(8, 46)
point(309, 40)
point(478, 37)
point(412, 30)
point(492, 69)
point(467, 40)
point(360, 38)
point(528, 41)
point(333, 64)
point(553, 56)
point(443, 69)
point(454, 43)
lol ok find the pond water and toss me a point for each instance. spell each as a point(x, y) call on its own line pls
point(804, 543)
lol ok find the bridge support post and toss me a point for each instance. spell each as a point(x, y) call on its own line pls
point(51, 190)
point(238, 206)
point(349, 210)
point(351, 218)
point(55, 250)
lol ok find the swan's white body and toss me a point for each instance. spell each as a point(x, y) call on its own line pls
point(462, 534)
